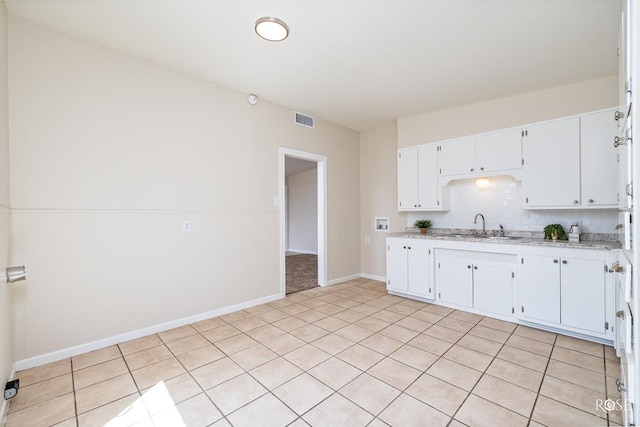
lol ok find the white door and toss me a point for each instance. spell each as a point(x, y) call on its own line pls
point(397, 264)
point(500, 150)
point(582, 284)
point(458, 156)
point(408, 179)
point(599, 159)
point(540, 285)
point(428, 177)
point(418, 261)
point(552, 161)
point(454, 280)
point(492, 288)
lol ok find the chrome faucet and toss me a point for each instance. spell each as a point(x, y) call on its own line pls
point(475, 221)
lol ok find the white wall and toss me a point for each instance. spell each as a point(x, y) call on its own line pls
point(302, 214)
point(378, 195)
point(6, 341)
point(508, 112)
point(502, 203)
point(110, 153)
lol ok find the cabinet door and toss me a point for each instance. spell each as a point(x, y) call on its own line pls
point(428, 177)
point(397, 264)
point(540, 284)
point(599, 159)
point(500, 150)
point(408, 179)
point(458, 156)
point(492, 288)
point(552, 162)
point(418, 261)
point(583, 294)
point(454, 279)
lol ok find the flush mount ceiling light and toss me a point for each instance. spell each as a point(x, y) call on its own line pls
point(272, 29)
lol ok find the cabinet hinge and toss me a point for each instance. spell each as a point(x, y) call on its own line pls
point(606, 326)
point(526, 133)
point(523, 162)
point(522, 308)
point(513, 310)
point(522, 133)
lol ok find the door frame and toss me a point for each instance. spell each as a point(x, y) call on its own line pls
point(321, 162)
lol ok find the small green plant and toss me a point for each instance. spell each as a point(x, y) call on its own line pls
point(423, 223)
point(556, 230)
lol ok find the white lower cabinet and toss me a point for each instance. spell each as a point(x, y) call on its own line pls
point(408, 267)
point(566, 291)
point(479, 280)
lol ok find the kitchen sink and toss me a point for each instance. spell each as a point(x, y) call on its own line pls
point(500, 237)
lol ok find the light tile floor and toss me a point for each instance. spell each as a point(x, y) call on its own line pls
point(346, 355)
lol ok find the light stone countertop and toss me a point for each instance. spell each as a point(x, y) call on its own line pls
point(587, 241)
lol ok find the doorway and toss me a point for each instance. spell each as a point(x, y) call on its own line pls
point(302, 220)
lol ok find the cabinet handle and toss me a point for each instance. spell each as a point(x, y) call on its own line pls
point(575, 202)
point(408, 247)
point(564, 261)
point(404, 247)
point(475, 267)
point(590, 200)
point(468, 266)
point(419, 206)
point(555, 261)
point(482, 168)
point(471, 169)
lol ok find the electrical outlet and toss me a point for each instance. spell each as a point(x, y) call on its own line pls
point(186, 226)
point(367, 239)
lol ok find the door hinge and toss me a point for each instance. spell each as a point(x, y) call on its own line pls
point(513, 310)
point(606, 326)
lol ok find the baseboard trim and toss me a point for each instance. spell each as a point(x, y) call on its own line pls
point(342, 279)
point(128, 336)
point(5, 403)
point(373, 277)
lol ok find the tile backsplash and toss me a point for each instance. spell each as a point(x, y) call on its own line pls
point(501, 203)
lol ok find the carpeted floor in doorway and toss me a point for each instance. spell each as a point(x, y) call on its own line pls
point(302, 272)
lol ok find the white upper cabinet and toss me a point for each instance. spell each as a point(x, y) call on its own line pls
point(481, 154)
point(599, 169)
point(458, 156)
point(552, 163)
point(418, 186)
point(499, 151)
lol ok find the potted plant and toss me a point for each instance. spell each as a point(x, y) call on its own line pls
point(555, 232)
point(423, 225)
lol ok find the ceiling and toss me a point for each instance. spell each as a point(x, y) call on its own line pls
point(361, 64)
point(294, 165)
